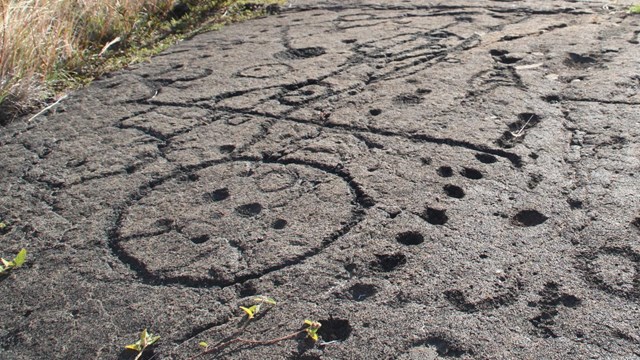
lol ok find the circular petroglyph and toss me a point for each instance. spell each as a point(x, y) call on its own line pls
point(236, 221)
point(276, 180)
point(615, 270)
point(265, 71)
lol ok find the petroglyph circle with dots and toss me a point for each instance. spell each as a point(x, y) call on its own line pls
point(234, 221)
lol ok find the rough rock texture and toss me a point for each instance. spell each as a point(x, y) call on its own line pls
point(452, 179)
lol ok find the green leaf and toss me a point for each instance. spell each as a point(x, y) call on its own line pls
point(152, 339)
point(135, 346)
point(634, 9)
point(265, 299)
point(20, 258)
point(147, 338)
point(203, 344)
point(250, 311)
point(143, 337)
point(313, 335)
point(312, 329)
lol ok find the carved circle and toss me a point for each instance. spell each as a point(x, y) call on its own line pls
point(614, 270)
point(237, 221)
point(265, 71)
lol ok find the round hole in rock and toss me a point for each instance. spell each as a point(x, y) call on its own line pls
point(636, 222)
point(360, 292)
point(200, 239)
point(552, 99)
point(249, 210)
point(375, 112)
point(454, 191)
point(574, 204)
point(248, 289)
point(529, 218)
point(435, 216)
point(570, 301)
point(525, 120)
point(279, 224)
point(486, 158)
point(445, 171)
point(227, 148)
point(301, 53)
point(218, 195)
point(334, 330)
point(388, 262)
point(471, 173)
point(410, 238)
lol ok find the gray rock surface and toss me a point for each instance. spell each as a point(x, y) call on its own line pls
point(429, 180)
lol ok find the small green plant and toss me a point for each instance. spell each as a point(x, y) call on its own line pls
point(634, 9)
point(146, 339)
point(17, 261)
point(310, 327)
point(253, 310)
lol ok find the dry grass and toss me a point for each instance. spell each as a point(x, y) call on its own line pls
point(47, 46)
point(43, 39)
